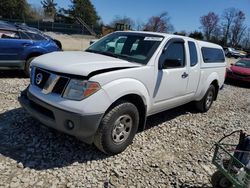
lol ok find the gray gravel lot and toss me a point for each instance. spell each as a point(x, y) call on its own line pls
point(174, 151)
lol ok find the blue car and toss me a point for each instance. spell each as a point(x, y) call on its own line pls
point(20, 44)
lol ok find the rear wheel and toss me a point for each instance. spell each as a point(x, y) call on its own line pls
point(218, 180)
point(206, 102)
point(27, 66)
point(118, 128)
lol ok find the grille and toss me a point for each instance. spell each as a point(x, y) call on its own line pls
point(42, 110)
point(42, 78)
point(60, 85)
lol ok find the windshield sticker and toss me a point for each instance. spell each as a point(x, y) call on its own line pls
point(153, 38)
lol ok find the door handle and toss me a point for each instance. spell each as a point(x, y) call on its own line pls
point(184, 75)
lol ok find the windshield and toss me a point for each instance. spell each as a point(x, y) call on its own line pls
point(243, 63)
point(134, 47)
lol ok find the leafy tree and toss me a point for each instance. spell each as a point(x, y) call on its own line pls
point(85, 10)
point(15, 9)
point(181, 33)
point(159, 23)
point(49, 7)
point(209, 24)
point(196, 35)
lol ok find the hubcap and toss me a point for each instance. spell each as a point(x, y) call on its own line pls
point(209, 100)
point(122, 129)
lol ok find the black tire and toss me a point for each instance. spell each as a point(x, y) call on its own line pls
point(27, 67)
point(106, 138)
point(218, 180)
point(204, 105)
point(58, 43)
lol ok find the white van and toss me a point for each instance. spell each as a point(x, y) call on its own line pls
point(103, 95)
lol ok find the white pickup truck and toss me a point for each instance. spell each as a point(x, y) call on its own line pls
point(103, 95)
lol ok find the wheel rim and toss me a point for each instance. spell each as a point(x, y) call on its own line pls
point(224, 182)
point(209, 100)
point(122, 129)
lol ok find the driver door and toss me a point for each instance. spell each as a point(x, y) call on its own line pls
point(172, 76)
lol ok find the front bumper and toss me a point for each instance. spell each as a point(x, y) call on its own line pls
point(232, 76)
point(84, 126)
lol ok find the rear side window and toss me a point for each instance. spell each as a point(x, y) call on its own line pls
point(24, 35)
point(193, 53)
point(35, 36)
point(212, 55)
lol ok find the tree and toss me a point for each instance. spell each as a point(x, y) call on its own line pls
point(139, 25)
point(85, 10)
point(15, 9)
point(196, 35)
point(209, 24)
point(49, 7)
point(246, 41)
point(238, 28)
point(181, 33)
point(227, 20)
point(159, 23)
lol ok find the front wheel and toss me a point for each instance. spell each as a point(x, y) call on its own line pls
point(117, 129)
point(218, 180)
point(206, 102)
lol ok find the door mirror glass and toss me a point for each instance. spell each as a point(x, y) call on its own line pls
point(172, 63)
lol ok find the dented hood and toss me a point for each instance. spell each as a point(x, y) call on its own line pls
point(79, 63)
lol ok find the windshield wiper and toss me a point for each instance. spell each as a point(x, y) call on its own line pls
point(119, 56)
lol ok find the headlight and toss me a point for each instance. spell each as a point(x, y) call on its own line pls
point(80, 89)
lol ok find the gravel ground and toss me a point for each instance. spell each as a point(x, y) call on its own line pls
point(174, 151)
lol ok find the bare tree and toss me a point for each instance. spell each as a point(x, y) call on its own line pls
point(227, 21)
point(209, 24)
point(139, 25)
point(38, 12)
point(246, 41)
point(238, 28)
point(49, 8)
point(159, 23)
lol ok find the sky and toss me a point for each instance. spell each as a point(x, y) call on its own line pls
point(184, 14)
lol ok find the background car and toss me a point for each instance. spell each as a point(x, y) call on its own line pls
point(231, 52)
point(240, 70)
point(20, 44)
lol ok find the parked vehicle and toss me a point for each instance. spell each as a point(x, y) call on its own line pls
point(240, 70)
point(248, 55)
point(231, 52)
point(20, 44)
point(105, 94)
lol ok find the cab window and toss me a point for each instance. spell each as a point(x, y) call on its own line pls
point(212, 55)
point(173, 56)
point(193, 53)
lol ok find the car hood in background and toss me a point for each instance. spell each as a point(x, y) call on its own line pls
point(79, 62)
point(240, 70)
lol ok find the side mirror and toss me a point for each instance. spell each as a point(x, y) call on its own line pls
point(170, 63)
